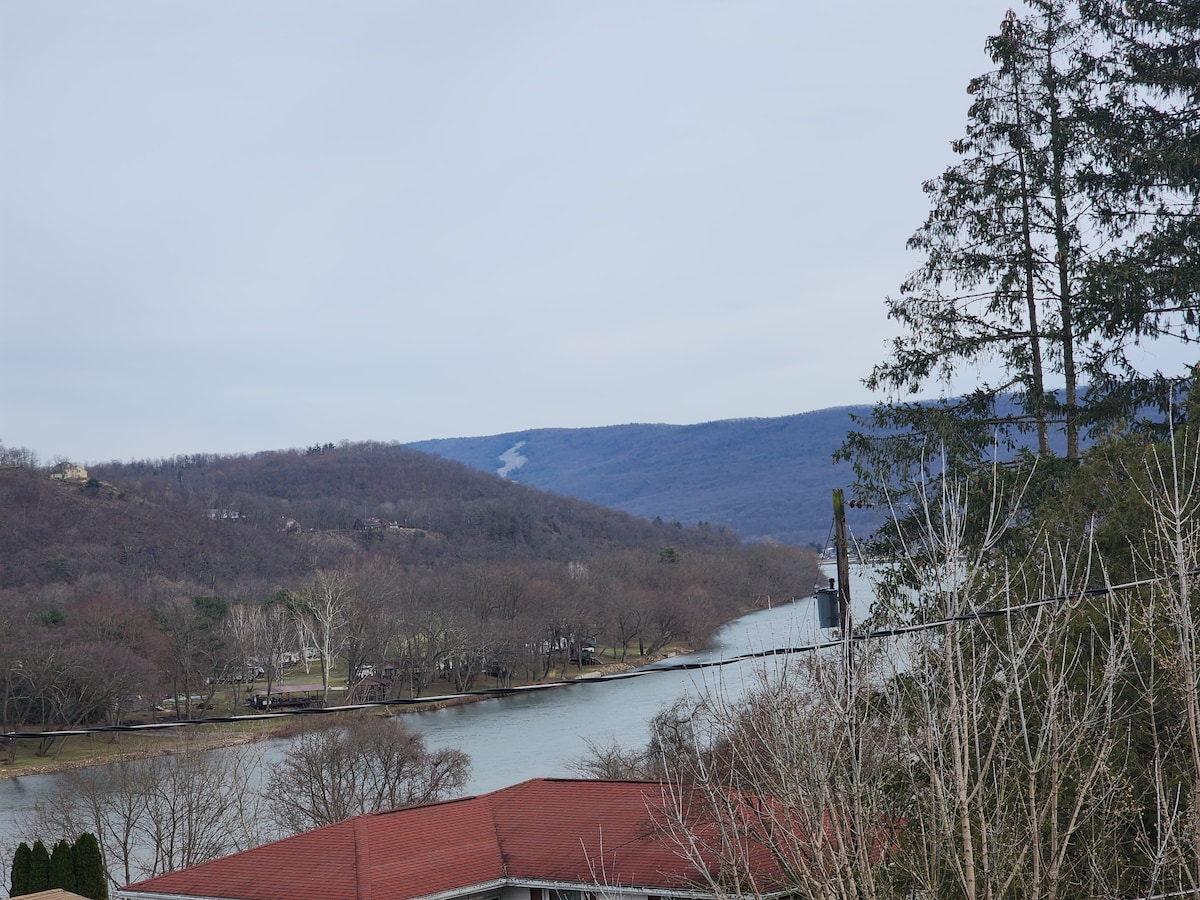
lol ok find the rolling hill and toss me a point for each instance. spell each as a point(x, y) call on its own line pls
point(238, 525)
point(767, 479)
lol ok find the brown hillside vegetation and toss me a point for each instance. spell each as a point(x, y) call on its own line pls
point(245, 523)
point(168, 578)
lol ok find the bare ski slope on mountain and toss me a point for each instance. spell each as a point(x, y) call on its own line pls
point(767, 479)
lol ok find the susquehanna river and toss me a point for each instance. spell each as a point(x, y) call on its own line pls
point(539, 734)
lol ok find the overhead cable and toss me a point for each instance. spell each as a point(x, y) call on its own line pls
point(655, 669)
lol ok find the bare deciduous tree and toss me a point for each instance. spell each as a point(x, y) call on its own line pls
point(324, 603)
point(985, 757)
point(1170, 676)
point(360, 766)
point(159, 814)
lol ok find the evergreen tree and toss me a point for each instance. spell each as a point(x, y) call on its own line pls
point(1068, 233)
point(1005, 242)
point(1007, 250)
point(22, 860)
point(90, 880)
point(1147, 286)
point(62, 866)
point(39, 868)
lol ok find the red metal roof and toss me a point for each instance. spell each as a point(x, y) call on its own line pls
point(544, 830)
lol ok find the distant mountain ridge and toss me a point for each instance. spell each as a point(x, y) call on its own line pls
point(767, 479)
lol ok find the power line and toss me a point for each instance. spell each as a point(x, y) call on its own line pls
point(877, 634)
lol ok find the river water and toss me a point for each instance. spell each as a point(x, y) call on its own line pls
point(538, 734)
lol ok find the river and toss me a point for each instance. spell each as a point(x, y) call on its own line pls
point(538, 734)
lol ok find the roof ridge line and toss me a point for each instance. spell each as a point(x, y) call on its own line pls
point(362, 859)
point(399, 809)
point(500, 851)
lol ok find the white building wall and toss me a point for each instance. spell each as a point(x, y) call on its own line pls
point(593, 892)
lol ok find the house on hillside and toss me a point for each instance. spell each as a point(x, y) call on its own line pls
point(66, 471)
point(545, 839)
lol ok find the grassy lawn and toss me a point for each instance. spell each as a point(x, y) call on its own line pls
point(88, 749)
point(79, 750)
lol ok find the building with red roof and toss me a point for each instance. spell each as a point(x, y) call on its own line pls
point(545, 839)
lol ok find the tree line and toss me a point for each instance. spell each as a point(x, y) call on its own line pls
point(166, 578)
point(105, 660)
point(76, 866)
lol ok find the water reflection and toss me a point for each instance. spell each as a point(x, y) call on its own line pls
point(539, 734)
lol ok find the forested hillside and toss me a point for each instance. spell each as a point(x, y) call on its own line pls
point(319, 504)
point(160, 578)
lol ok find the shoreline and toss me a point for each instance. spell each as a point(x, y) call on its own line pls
point(217, 735)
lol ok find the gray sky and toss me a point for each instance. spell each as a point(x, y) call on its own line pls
point(240, 226)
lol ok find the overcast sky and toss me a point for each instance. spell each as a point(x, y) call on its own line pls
point(241, 226)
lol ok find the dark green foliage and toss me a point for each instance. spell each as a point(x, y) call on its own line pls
point(1101, 140)
point(901, 444)
point(1066, 237)
point(21, 870)
point(1149, 176)
point(62, 866)
point(1089, 524)
point(1111, 501)
point(212, 609)
point(76, 867)
point(1005, 243)
point(1103, 501)
point(39, 868)
point(90, 880)
point(51, 617)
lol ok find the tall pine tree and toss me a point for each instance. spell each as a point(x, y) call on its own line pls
point(62, 866)
point(1006, 252)
point(90, 879)
point(1068, 234)
point(1005, 247)
point(1147, 286)
point(39, 868)
point(20, 872)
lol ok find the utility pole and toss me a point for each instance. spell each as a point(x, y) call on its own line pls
point(854, 757)
point(842, 553)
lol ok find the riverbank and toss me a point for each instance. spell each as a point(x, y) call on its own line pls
point(102, 748)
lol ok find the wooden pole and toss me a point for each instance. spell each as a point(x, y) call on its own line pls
point(842, 551)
